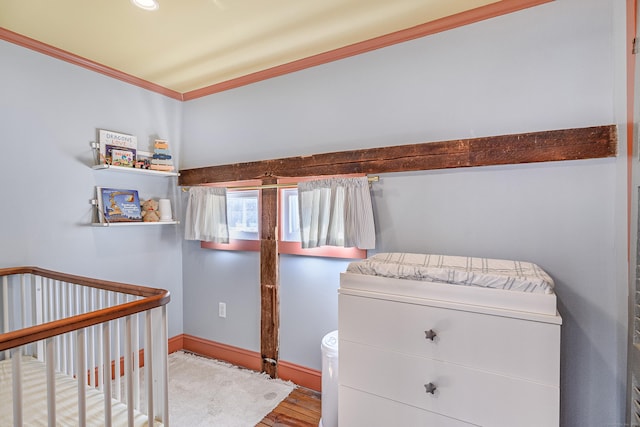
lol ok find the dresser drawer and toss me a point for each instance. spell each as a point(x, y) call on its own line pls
point(470, 395)
point(506, 345)
point(360, 409)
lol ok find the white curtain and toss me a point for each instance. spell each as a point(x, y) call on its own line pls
point(206, 217)
point(336, 212)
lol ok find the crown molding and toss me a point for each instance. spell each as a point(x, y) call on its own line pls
point(57, 53)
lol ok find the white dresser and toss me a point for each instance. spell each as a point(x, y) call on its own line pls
point(445, 361)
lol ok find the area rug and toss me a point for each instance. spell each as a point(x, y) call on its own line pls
point(208, 392)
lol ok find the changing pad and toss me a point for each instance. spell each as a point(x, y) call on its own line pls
point(457, 270)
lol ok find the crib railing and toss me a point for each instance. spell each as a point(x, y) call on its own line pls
point(97, 331)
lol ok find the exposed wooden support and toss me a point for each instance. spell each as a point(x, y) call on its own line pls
point(269, 280)
point(545, 146)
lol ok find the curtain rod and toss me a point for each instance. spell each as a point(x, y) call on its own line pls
point(267, 186)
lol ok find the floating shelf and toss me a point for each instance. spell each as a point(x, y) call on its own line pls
point(132, 223)
point(134, 170)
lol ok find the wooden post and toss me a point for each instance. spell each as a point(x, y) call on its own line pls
point(269, 280)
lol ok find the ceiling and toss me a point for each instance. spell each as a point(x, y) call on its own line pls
point(188, 45)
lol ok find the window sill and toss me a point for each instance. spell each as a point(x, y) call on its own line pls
point(289, 248)
point(233, 245)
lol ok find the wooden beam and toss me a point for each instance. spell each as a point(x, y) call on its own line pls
point(545, 146)
point(269, 280)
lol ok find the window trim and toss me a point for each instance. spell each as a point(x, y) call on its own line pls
point(233, 245)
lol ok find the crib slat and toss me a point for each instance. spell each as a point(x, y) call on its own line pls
point(70, 312)
point(42, 313)
point(23, 302)
point(128, 369)
point(116, 350)
point(51, 384)
point(136, 360)
point(81, 368)
point(57, 315)
point(100, 342)
point(49, 301)
point(106, 368)
point(16, 364)
point(92, 344)
point(148, 363)
point(164, 373)
point(5, 309)
point(36, 308)
point(64, 337)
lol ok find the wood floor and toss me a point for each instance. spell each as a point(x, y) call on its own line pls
point(300, 409)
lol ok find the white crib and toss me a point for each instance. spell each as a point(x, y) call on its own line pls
point(80, 351)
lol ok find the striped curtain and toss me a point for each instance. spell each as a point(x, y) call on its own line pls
point(206, 216)
point(336, 212)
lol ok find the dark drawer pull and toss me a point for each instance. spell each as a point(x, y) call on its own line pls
point(430, 388)
point(430, 334)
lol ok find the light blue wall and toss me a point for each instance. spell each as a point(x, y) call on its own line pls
point(229, 277)
point(550, 67)
point(49, 111)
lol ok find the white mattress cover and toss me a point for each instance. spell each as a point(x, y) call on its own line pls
point(457, 270)
point(34, 399)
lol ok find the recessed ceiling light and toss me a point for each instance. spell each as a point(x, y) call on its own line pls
point(146, 4)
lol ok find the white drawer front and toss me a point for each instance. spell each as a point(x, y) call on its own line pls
point(516, 347)
point(360, 409)
point(474, 396)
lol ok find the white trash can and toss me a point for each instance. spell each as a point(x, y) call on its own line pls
point(329, 347)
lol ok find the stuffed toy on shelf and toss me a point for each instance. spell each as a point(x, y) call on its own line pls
point(150, 211)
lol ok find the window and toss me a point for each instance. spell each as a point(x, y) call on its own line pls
point(243, 216)
point(289, 227)
point(243, 219)
point(289, 218)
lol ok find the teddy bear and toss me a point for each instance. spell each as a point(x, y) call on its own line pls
point(150, 211)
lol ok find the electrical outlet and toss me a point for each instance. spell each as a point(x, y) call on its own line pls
point(222, 309)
